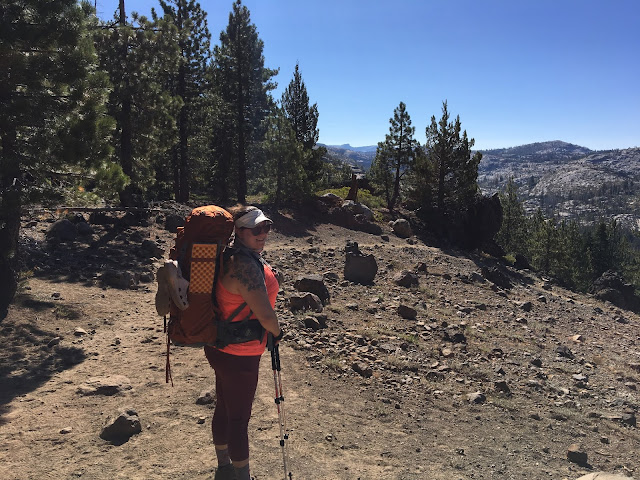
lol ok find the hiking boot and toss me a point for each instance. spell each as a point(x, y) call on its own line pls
point(226, 472)
point(171, 286)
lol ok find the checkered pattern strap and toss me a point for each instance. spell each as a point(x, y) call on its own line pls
point(203, 267)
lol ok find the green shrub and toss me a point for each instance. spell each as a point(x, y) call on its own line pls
point(364, 196)
point(110, 180)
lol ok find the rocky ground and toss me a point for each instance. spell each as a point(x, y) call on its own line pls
point(449, 366)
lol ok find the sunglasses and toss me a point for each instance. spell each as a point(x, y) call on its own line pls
point(260, 229)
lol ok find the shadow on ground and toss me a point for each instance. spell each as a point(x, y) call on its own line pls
point(30, 355)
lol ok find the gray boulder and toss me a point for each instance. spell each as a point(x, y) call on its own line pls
point(314, 284)
point(117, 279)
point(84, 228)
point(406, 279)
point(152, 249)
point(402, 228)
point(173, 221)
point(358, 267)
point(358, 209)
point(308, 301)
point(63, 231)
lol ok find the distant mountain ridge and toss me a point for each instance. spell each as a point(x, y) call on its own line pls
point(346, 146)
point(358, 157)
point(566, 180)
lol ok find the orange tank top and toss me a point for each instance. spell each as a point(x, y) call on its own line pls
point(228, 302)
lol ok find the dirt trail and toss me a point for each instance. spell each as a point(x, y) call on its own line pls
point(409, 420)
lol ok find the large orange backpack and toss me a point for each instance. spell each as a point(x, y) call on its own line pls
point(198, 251)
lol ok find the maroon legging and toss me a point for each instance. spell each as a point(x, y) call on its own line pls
point(236, 382)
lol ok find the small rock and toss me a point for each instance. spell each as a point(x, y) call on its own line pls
point(206, 397)
point(312, 323)
point(502, 386)
point(526, 306)
point(105, 385)
point(604, 476)
point(564, 351)
point(407, 312)
point(119, 279)
point(54, 341)
point(363, 369)
point(536, 362)
point(406, 279)
point(66, 430)
point(476, 397)
point(577, 454)
point(122, 427)
point(447, 353)
point(629, 419)
point(79, 332)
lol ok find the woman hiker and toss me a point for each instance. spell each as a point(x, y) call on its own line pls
point(236, 365)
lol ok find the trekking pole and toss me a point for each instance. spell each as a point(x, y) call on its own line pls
point(279, 399)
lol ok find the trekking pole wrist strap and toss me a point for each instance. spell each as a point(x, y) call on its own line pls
point(279, 337)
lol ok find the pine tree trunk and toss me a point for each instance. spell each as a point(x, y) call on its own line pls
point(9, 217)
point(175, 162)
point(242, 155)
point(183, 140)
point(126, 151)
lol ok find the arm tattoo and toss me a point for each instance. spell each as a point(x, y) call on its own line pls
point(247, 272)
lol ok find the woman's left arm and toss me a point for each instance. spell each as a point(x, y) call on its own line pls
point(249, 281)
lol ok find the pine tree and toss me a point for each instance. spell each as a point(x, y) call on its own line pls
point(453, 170)
point(513, 232)
point(139, 57)
point(190, 83)
point(396, 155)
point(285, 156)
point(51, 99)
point(243, 84)
point(544, 243)
point(303, 117)
point(304, 121)
point(606, 247)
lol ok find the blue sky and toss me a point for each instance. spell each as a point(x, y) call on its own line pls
point(516, 71)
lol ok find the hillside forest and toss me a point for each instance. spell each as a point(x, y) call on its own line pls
point(141, 109)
